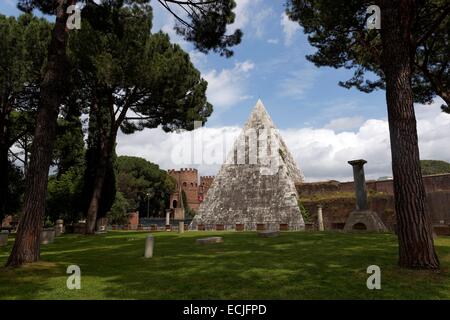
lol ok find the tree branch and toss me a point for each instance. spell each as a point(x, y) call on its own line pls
point(434, 25)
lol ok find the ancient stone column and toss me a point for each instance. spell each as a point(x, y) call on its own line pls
point(149, 243)
point(167, 219)
point(181, 227)
point(59, 227)
point(320, 217)
point(360, 184)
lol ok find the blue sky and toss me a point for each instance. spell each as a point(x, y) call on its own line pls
point(294, 91)
point(324, 125)
point(270, 64)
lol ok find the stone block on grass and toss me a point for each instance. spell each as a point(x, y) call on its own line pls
point(210, 240)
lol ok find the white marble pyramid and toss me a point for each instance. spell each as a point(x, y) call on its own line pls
point(256, 185)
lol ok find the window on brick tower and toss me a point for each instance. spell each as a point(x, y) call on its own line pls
point(184, 184)
point(174, 203)
point(192, 184)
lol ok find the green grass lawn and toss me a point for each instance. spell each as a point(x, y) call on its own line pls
point(296, 265)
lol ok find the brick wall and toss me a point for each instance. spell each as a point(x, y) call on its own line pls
point(440, 182)
point(336, 210)
point(187, 180)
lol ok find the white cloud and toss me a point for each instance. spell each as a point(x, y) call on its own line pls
point(227, 87)
point(290, 28)
point(321, 153)
point(259, 21)
point(272, 41)
point(297, 83)
point(242, 12)
point(345, 123)
point(252, 16)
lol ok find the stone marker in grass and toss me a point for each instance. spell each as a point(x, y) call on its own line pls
point(3, 238)
point(149, 243)
point(181, 227)
point(47, 236)
point(209, 240)
point(268, 234)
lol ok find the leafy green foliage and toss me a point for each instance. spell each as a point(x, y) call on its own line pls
point(119, 210)
point(69, 147)
point(430, 167)
point(151, 81)
point(337, 29)
point(208, 24)
point(136, 81)
point(64, 196)
point(144, 186)
point(304, 211)
point(23, 43)
point(16, 188)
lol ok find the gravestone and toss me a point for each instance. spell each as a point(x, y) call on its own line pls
point(209, 240)
point(181, 227)
point(320, 217)
point(79, 228)
point(59, 227)
point(149, 244)
point(4, 238)
point(47, 236)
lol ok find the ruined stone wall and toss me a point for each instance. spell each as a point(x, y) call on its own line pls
point(433, 183)
point(336, 210)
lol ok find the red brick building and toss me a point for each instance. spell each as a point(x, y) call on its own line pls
point(187, 180)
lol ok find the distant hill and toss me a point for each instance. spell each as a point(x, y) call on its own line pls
point(434, 167)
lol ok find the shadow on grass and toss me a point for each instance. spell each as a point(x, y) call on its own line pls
point(293, 266)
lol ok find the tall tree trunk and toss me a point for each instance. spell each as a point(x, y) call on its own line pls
point(107, 147)
point(4, 163)
point(27, 245)
point(4, 176)
point(94, 204)
point(104, 128)
point(416, 249)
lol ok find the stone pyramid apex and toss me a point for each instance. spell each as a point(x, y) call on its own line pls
point(259, 117)
point(259, 104)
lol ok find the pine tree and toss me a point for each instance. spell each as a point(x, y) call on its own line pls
point(408, 56)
